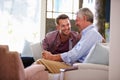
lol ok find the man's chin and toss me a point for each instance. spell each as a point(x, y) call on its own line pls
point(66, 34)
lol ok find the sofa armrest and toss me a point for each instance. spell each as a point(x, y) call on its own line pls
point(69, 69)
point(91, 66)
point(63, 70)
point(4, 48)
point(34, 68)
point(86, 71)
point(36, 72)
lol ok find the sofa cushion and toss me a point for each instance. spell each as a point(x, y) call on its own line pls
point(99, 54)
point(37, 50)
point(27, 52)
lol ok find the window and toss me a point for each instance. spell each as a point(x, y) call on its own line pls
point(19, 21)
point(56, 7)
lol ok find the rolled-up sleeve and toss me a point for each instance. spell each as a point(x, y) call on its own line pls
point(70, 56)
point(75, 54)
point(82, 48)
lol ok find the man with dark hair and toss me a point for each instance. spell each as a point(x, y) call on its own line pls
point(62, 39)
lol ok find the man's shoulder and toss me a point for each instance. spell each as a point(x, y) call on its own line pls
point(52, 33)
point(74, 33)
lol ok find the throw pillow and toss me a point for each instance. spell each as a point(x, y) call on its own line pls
point(26, 52)
point(37, 50)
point(99, 54)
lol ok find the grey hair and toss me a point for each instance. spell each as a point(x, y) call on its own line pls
point(85, 12)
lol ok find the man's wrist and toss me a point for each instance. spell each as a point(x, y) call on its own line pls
point(56, 57)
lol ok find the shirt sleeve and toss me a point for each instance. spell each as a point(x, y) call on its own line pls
point(82, 48)
point(45, 43)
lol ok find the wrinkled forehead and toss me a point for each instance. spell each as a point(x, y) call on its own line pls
point(79, 17)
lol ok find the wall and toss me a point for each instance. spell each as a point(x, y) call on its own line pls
point(114, 69)
point(43, 19)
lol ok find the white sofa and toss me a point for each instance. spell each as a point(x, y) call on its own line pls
point(91, 69)
point(86, 71)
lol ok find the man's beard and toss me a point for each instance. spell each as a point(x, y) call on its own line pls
point(62, 33)
point(65, 33)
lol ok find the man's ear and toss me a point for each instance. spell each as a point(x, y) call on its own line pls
point(85, 17)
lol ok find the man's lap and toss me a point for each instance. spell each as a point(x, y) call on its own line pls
point(52, 66)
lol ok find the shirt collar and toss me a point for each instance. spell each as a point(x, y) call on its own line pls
point(87, 29)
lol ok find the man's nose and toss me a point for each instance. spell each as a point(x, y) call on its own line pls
point(67, 27)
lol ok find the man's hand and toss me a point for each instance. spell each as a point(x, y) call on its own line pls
point(49, 56)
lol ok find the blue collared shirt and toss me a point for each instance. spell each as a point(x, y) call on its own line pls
point(90, 36)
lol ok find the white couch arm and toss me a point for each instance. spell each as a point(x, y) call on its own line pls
point(86, 71)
